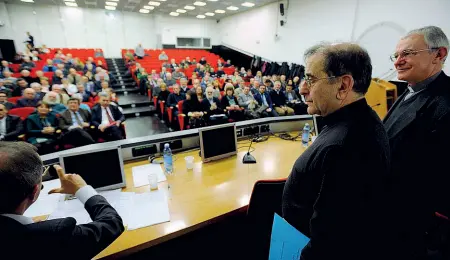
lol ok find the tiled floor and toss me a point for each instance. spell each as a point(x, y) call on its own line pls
point(143, 126)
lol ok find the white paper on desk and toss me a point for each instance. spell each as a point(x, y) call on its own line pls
point(149, 208)
point(141, 173)
point(122, 202)
point(46, 203)
point(71, 208)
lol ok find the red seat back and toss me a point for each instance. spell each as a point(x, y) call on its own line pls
point(22, 112)
point(13, 100)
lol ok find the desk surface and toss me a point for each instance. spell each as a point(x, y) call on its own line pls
point(210, 190)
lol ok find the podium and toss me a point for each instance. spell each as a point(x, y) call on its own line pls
point(380, 96)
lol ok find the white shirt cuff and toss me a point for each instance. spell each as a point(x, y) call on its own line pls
point(85, 193)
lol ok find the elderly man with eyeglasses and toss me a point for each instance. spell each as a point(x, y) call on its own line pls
point(335, 192)
point(418, 127)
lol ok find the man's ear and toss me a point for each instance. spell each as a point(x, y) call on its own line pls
point(441, 55)
point(35, 194)
point(346, 86)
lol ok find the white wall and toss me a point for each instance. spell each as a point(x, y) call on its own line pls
point(94, 28)
point(377, 25)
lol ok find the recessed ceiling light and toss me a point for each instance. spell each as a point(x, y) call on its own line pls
point(200, 16)
point(162, 0)
point(28, 1)
point(110, 7)
point(144, 11)
point(232, 8)
point(198, 3)
point(213, 0)
point(209, 14)
point(181, 11)
point(71, 4)
point(114, 0)
point(154, 3)
point(219, 11)
point(189, 7)
point(111, 3)
point(248, 4)
point(69, 0)
point(148, 7)
point(174, 14)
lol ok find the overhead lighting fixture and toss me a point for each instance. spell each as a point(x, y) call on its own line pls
point(232, 8)
point(162, 0)
point(114, 0)
point(181, 11)
point(71, 4)
point(198, 3)
point(209, 14)
point(213, 0)
point(219, 11)
point(201, 16)
point(144, 11)
point(148, 7)
point(28, 1)
point(112, 8)
point(154, 3)
point(248, 4)
point(69, 0)
point(111, 3)
point(189, 7)
point(174, 14)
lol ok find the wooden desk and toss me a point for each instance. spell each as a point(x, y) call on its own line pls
point(207, 192)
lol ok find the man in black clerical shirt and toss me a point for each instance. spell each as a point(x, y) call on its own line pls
point(334, 194)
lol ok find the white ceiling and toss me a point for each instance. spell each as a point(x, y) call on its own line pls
point(165, 7)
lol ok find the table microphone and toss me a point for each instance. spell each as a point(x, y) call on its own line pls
point(248, 158)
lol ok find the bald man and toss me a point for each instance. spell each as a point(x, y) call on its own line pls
point(28, 99)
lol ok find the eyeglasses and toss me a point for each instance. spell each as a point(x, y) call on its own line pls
point(408, 53)
point(310, 81)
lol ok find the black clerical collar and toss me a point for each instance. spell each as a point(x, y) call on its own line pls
point(346, 112)
point(423, 84)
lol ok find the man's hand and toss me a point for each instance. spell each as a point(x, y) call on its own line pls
point(84, 124)
point(269, 109)
point(102, 128)
point(70, 183)
point(118, 123)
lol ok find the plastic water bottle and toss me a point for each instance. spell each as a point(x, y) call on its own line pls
point(305, 135)
point(168, 163)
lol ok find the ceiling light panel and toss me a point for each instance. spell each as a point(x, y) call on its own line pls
point(219, 11)
point(189, 7)
point(174, 14)
point(248, 4)
point(111, 3)
point(181, 11)
point(232, 8)
point(71, 4)
point(28, 1)
point(154, 3)
point(200, 16)
point(198, 3)
point(148, 7)
point(209, 14)
point(144, 11)
point(112, 8)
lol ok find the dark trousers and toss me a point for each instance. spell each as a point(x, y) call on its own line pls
point(236, 115)
point(77, 137)
point(112, 133)
point(272, 113)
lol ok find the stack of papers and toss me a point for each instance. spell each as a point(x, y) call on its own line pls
point(150, 208)
point(45, 204)
point(141, 173)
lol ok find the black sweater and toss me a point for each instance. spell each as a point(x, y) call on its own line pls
point(335, 191)
point(278, 99)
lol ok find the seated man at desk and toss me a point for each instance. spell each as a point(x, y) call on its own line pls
point(74, 122)
point(107, 118)
point(22, 238)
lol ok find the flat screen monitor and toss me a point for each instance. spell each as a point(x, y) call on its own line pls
point(100, 168)
point(218, 142)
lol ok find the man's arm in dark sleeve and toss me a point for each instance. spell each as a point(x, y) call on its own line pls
point(18, 130)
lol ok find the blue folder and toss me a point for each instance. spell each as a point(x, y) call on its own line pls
point(286, 242)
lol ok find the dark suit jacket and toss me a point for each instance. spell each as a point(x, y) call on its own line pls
point(206, 106)
point(23, 102)
point(8, 105)
point(62, 238)
point(14, 128)
point(419, 142)
point(71, 79)
point(17, 91)
point(258, 98)
point(34, 126)
point(278, 99)
point(65, 120)
point(97, 115)
point(224, 103)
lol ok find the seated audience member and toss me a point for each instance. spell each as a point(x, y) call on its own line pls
point(107, 119)
point(7, 89)
point(279, 101)
point(82, 105)
point(183, 85)
point(173, 64)
point(139, 51)
point(25, 74)
point(98, 53)
point(19, 89)
point(265, 102)
point(194, 61)
point(90, 66)
point(166, 65)
point(4, 100)
point(63, 69)
point(242, 72)
point(236, 77)
point(254, 89)
point(154, 75)
point(199, 93)
point(62, 93)
point(201, 72)
point(129, 56)
point(164, 93)
point(73, 77)
point(188, 60)
point(205, 81)
point(45, 85)
point(196, 83)
point(39, 75)
point(216, 89)
point(49, 67)
point(28, 99)
point(248, 102)
point(10, 126)
point(216, 85)
point(230, 103)
point(193, 111)
point(5, 66)
point(113, 98)
point(294, 102)
point(282, 82)
point(58, 59)
point(259, 77)
point(74, 123)
point(169, 80)
point(163, 56)
point(220, 72)
point(163, 73)
point(174, 98)
point(85, 95)
point(227, 64)
point(296, 83)
point(41, 128)
point(27, 64)
point(157, 88)
point(57, 77)
point(268, 84)
point(104, 86)
point(178, 74)
point(53, 99)
point(39, 95)
point(101, 74)
point(248, 76)
point(192, 78)
point(197, 67)
point(202, 61)
point(78, 64)
point(88, 85)
point(70, 88)
point(21, 175)
point(239, 88)
point(214, 114)
point(8, 79)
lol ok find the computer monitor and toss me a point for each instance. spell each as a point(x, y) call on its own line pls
point(101, 168)
point(217, 142)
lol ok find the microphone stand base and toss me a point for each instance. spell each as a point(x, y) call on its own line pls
point(248, 158)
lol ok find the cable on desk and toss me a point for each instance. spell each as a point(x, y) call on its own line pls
point(286, 136)
point(247, 146)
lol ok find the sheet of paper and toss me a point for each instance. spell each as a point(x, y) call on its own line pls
point(46, 203)
point(71, 208)
point(149, 208)
point(140, 174)
point(122, 202)
point(286, 242)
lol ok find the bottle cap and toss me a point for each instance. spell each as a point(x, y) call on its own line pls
point(166, 146)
